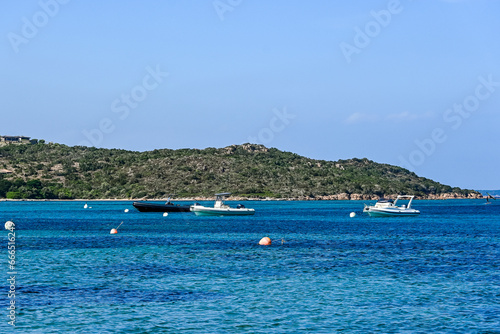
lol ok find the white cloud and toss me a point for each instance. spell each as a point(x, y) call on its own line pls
point(358, 117)
point(453, 1)
point(407, 116)
point(404, 116)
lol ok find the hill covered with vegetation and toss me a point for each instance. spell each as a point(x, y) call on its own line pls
point(54, 171)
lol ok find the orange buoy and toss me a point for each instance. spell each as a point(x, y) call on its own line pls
point(115, 230)
point(266, 241)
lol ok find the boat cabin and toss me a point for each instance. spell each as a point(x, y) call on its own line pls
point(384, 203)
point(219, 200)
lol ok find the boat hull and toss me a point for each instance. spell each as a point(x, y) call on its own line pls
point(159, 207)
point(373, 212)
point(204, 211)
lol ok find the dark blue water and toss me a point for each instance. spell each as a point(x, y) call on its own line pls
point(325, 272)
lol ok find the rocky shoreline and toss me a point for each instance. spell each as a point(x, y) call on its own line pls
point(342, 197)
point(365, 197)
point(336, 197)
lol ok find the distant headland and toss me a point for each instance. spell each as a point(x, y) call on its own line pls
point(33, 169)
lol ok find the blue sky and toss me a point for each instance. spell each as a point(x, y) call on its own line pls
point(410, 83)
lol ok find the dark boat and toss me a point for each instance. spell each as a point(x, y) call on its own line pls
point(160, 207)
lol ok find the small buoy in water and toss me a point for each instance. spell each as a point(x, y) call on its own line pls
point(9, 225)
point(353, 214)
point(126, 210)
point(115, 230)
point(85, 206)
point(266, 241)
point(165, 214)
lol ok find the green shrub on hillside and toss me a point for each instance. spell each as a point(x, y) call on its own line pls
point(58, 171)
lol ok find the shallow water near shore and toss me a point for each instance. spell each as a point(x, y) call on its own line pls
point(324, 272)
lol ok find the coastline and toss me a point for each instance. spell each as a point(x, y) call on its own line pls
point(336, 197)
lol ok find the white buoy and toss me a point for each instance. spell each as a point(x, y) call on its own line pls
point(126, 210)
point(9, 225)
point(352, 214)
point(85, 206)
point(165, 214)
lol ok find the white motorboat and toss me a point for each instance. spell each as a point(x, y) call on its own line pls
point(221, 209)
point(388, 207)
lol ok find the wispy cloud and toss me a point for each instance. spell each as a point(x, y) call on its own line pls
point(404, 116)
point(358, 117)
point(454, 1)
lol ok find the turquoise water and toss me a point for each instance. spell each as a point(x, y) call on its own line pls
point(324, 272)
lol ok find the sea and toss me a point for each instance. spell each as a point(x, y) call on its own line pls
point(325, 271)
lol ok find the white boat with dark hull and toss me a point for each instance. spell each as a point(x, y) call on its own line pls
point(388, 207)
point(221, 209)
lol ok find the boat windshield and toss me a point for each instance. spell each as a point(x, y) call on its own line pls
point(385, 200)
